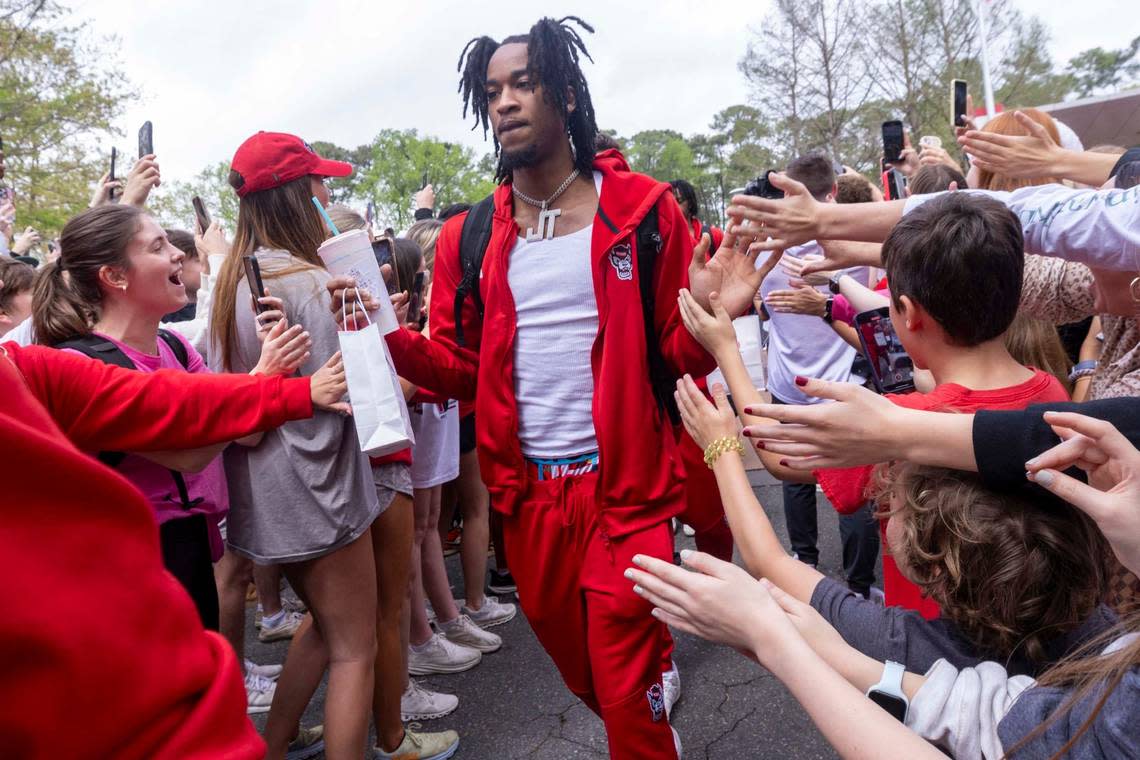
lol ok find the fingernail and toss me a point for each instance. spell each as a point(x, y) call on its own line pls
point(783, 462)
point(629, 574)
point(1043, 478)
point(656, 612)
point(1031, 463)
point(638, 590)
point(685, 554)
point(747, 433)
point(801, 380)
point(760, 445)
point(638, 560)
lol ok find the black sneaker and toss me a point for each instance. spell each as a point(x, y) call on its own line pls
point(502, 583)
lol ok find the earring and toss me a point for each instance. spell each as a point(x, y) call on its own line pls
point(1134, 289)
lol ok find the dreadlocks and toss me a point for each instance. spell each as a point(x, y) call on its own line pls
point(553, 49)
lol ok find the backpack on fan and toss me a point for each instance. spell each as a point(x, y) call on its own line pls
point(107, 352)
point(473, 240)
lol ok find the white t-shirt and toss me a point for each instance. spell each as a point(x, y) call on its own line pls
point(799, 344)
point(1100, 228)
point(552, 284)
point(435, 458)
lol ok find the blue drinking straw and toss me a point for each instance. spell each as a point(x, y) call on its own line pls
point(325, 214)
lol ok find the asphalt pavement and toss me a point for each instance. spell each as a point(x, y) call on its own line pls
point(513, 705)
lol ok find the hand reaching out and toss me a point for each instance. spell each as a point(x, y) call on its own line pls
point(1019, 156)
point(105, 190)
point(283, 349)
point(26, 242)
point(1112, 495)
point(777, 224)
point(802, 299)
point(704, 420)
point(729, 272)
point(328, 386)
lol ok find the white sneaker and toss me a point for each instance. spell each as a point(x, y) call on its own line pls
point(492, 613)
point(671, 685)
point(417, 703)
point(688, 530)
point(271, 672)
point(283, 630)
point(419, 745)
point(438, 655)
point(463, 631)
point(259, 693)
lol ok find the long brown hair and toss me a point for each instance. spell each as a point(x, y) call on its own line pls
point(67, 297)
point(1012, 572)
point(1036, 343)
point(1007, 124)
point(1084, 673)
point(282, 218)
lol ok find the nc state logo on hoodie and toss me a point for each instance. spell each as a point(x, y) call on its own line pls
point(621, 256)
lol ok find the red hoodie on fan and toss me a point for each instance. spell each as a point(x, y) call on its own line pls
point(101, 650)
point(641, 478)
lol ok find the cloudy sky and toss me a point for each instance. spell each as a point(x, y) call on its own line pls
point(211, 72)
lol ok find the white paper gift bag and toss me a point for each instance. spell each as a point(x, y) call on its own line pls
point(382, 422)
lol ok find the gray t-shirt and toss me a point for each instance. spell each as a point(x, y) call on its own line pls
point(902, 635)
point(306, 489)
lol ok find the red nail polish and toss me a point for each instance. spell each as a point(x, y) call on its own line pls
point(747, 433)
point(760, 445)
point(783, 462)
point(801, 381)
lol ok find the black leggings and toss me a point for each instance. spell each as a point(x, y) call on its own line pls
point(186, 554)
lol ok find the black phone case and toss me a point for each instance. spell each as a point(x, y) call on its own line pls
point(146, 139)
point(253, 279)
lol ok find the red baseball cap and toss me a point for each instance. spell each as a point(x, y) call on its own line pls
point(272, 159)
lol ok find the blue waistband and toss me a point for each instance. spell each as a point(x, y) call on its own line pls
point(549, 469)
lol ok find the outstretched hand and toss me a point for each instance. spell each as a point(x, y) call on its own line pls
point(328, 385)
point(730, 272)
point(854, 431)
point(1019, 156)
point(717, 601)
point(1112, 495)
point(777, 224)
point(704, 421)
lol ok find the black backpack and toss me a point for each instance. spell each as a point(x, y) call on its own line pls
point(473, 240)
point(107, 352)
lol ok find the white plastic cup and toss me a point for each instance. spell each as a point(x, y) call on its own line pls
point(350, 254)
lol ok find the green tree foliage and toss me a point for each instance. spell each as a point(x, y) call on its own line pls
point(1098, 70)
point(171, 202)
point(60, 91)
point(389, 170)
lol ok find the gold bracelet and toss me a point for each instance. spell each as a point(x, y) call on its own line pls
point(721, 446)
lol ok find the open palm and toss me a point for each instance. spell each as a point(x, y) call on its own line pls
point(730, 272)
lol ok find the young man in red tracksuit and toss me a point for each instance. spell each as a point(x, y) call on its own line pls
point(102, 650)
point(574, 449)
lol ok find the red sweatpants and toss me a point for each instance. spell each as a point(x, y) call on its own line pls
point(603, 640)
point(704, 511)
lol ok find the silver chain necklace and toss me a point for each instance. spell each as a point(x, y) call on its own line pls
point(546, 216)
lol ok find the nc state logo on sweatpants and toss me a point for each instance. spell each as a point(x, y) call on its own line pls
point(622, 258)
point(656, 702)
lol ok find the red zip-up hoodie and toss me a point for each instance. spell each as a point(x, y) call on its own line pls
point(640, 479)
point(101, 650)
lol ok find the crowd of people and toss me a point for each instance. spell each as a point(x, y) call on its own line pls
point(954, 370)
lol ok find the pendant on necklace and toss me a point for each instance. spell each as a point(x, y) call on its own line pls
point(546, 219)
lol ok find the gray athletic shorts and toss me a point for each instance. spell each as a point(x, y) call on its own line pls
point(390, 479)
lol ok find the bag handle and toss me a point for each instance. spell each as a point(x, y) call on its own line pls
point(344, 307)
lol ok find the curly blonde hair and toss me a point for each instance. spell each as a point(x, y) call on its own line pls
point(1011, 570)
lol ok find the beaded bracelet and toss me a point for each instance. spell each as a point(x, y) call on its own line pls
point(721, 446)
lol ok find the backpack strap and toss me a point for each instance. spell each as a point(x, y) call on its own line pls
point(175, 344)
point(660, 378)
point(107, 352)
point(473, 240)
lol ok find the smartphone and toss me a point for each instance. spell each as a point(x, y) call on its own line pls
point(425, 182)
point(382, 247)
point(253, 278)
point(416, 298)
point(146, 139)
point(892, 370)
point(958, 92)
point(892, 140)
point(894, 185)
point(201, 214)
